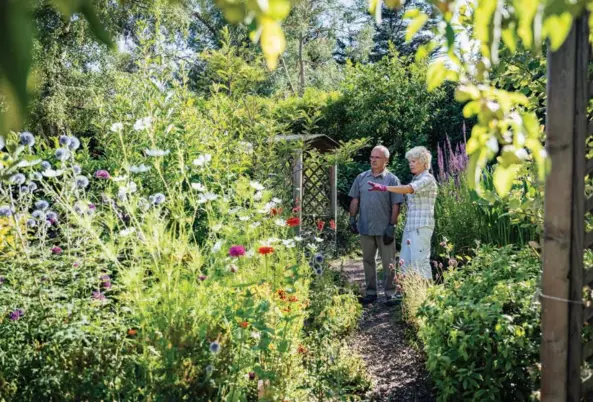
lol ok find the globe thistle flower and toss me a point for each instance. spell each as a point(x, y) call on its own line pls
point(39, 215)
point(17, 179)
point(215, 347)
point(156, 152)
point(5, 211)
point(74, 143)
point(62, 154)
point(16, 314)
point(36, 176)
point(27, 139)
point(91, 209)
point(31, 223)
point(157, 199)
point(41, 205)
point(82, 182)
point(24, 190)
point(45, 165)
point(143, 204)
point(319, 258)
point(32, 186)
point(209, 369)
point(318, 271)
point(52, 216)
point(64, 140)
point(102, 174)
point(78, 208)
point(76, 169)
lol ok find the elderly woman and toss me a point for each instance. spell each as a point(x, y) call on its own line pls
point(420, 196)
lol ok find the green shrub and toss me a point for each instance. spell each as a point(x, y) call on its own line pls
point(481, 330)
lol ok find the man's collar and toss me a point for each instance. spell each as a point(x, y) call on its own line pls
point(382, 174)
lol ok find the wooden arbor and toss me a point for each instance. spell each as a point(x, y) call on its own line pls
point(314, 184)
point(565, 235)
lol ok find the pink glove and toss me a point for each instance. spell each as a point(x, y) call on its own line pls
point(377, 187)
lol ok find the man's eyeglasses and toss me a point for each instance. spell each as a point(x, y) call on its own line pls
point(377, 157)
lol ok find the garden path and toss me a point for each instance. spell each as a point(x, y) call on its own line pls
point(396, 367)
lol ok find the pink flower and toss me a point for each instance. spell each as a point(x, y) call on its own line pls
point(435, 264)
point(398, 288)
point(102, 174)
point(452, 262)
point(203, 277)
point(401, 262)
point(408, 242)
point(237, 251)
point(76, 264)
point(440, 265)
point(443, 244)
point(56, 250)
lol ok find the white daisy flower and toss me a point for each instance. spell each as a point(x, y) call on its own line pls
point(258, 196)
point(202, 160)
point(217, 227)
point(156, 152)
point(280, 222)
point(117, 127)
point(276, 200)
point(289, 243)
point(52, 173)
point(205, 197)
point(244, 218)
point(143, 123)
point(255, 224)
point(127, 232)
point(298, 238)
point(198, 187)
point(318, 240)
point(217, 246)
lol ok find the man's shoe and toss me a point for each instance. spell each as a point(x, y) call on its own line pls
point(368, 299)
point(393, 300)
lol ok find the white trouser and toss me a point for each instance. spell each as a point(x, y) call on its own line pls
point(415, 252)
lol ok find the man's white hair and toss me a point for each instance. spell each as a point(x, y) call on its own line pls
point(421, 154)
point(382, 148)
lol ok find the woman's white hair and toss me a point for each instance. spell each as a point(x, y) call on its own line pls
point(420, 154)
point(383, 149)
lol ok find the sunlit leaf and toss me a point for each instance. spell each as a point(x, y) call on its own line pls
point(436, 74)
point(416, 25)
point(503, 178)
point(557, 28)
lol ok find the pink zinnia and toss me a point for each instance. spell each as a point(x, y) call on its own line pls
point(237, 251)
point(102, 174)
point(56, 250)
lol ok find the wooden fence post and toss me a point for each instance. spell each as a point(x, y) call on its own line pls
point(558, 220)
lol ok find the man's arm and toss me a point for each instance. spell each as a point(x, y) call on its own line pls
point(354, 206)
point(395, 214)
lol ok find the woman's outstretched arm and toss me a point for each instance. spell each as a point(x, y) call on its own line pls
point(407, 189)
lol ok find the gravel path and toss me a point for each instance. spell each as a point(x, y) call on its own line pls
point(397, 369)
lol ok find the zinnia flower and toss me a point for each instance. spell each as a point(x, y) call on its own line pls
point(263, 250)
point(102, 174)
point(320, 225)
point(237, 251)
point(56, 250)
point(332, 224)
point(294, 221)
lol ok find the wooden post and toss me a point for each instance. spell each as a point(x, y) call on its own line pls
point(297, 184)
point(557, 220)
point(333, 181)
point(575, 346)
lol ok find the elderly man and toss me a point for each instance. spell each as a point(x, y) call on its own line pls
point(378, 213)
point(421, 196)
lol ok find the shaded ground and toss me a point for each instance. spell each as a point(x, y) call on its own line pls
point(397, 369)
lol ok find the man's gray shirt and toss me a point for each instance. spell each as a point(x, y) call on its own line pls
point(375, 206)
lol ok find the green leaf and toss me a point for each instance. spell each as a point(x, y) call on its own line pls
point(416, 25)
point(88, 10)
point(503, 178)
point(450, 34)
point(436, 74)
point(557, 28)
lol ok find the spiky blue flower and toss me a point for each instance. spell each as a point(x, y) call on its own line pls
point(319, 258)
point(17, 179)
point(82, 182)
point(51, 216)
point(39, 215)
point(64, 140)
point(41, 205)
point(62, 154)
point(76, 169)
point(31, 223)
point(32, 186)
point(27, 139)
point(74, 143)
point(157, 198)
point(45, 165)
point(215, 347)
point(5, 211)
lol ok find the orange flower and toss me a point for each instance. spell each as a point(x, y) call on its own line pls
point(301, 349)
point(132, 332)
point(243, 324)
point(293, 299)
point(281, 294)
point(320, 225)
point(332, 224)
point(275, 211)
point(294, 221)
point(263, 250)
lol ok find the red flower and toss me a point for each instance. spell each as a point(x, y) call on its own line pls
point(56, 250)
point(293, 299)
point(281, 294)
point(263, 250)
point(301, 349)
point(332, 224)
point(294, 221)
point(296, 209)
point(320, 225)
point(243, 324)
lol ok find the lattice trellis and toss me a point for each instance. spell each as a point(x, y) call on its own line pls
point(316, 198)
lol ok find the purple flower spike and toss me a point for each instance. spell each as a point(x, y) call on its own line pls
point(97, 295)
